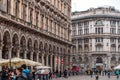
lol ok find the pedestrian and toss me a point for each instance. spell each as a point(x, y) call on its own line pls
point(50, 75)
point(57, 75)
point(97, 77)
point(4, 74)
point(26, 72)
point(65, 73)
point(33, 74)
point(117, 74)
point(91, 73)
point(108, 74)
point(19, 75)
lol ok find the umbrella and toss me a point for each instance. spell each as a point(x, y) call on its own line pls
point(31, 63)
point(18, 62)
point(12, 62)
point(42, 71)
point(43, 67)
point(2, 62)
point(117, 67)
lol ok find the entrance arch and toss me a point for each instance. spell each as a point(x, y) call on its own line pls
point(15, 44)
point(99, 60)
point(29, 46)
point(22, 47)
point(7, 45)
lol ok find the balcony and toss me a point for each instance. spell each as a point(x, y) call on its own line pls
point(95, 35)
point(99, 52)
point(24, 24)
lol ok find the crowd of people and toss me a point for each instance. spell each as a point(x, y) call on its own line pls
point(98, 73)
point(23, 73)
point(20, 73)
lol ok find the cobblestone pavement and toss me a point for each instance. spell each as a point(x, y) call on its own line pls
point(88, 78)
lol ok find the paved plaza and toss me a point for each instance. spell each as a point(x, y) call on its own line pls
point(88, 78)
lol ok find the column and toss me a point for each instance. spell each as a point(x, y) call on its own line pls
point(109, 62)
point(47, 59)
point(1, 46)
point(18, 51)
point(9, 51)
point(31, 55)
point(42, 59)
point(51, 61)
point(59, 63)
point(25, 54)
point(37, 56)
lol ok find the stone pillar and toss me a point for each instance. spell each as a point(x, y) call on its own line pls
point(25, 54)
point(109, 62)
point(59, 63)
point(10, 52)
point(51, 61)
point(18, 51)
point(37, 56)
point(55, 65)
point(43, 59)
point(1, 46)
point(31, 55)
point(47, 59)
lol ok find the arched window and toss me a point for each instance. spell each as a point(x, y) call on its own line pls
point(99, 47)
point(86, 48)
point(119, 48)
point(113, 47)
point(79, 48)
point(113, 60)
point(99, 22)
point(99, 60)
point(86, 60)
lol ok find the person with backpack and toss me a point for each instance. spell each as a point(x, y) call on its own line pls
point(19, 75)
point(97, 77)
point(26, 72)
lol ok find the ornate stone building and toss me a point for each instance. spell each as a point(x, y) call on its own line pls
point(96, 36)
point(36, 29)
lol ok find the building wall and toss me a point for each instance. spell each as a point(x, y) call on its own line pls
point(36, 29)
point(95, 33)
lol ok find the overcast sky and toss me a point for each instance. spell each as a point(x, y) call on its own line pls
point(81, 5)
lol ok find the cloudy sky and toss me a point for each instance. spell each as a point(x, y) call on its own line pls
point(81, 5)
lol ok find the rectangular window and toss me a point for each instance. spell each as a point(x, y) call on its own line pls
point(86, 40)
point(118, 23)
point(99, 39)
point(42, 21)
point(113, 40)
point(74, 32)
point(113, 30)
point(8, 6)
point(86, 31)
point(118, 31)
point(79, 41)
point(80, 24)
point(98, 30)
point(37, 19)
point(46, 24)
point(79, 31)
point(86, 24)
point(24, 12)
point(119, 40)
point(16, 8)
point(31, 15)
point(73, 26)
point(113, 23)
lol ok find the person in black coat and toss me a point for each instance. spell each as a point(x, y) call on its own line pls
point(19, 74)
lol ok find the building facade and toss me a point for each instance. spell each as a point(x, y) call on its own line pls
point(96, 37)
point(36, 29)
